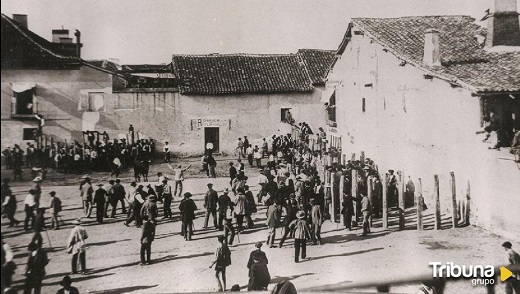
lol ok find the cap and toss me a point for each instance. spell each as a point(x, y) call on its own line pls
point(210, 184)
point(259, 244)
point(226, 190)
point(221, 238)
point(100, 184)
point(300, 214)
point(52, 193)
point(187, 194)
point(37, 179)
point(66, 281)
point(85, 177)
point(77, 221)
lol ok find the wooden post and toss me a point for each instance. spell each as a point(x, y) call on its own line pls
point(332, 197)
point(385, 202)
point(353, 157)
point(343, 159)
point(437, 202)
point(419, 204)
point(340, 196)
point(453, 200)
point(355, 194)
point(400, 194)
point(362, 158)
point(468, 210)
point(83, 146)
point(370, 194)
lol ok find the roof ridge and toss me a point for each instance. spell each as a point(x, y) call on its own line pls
point(41, 46)
point(237, 55)
point(413, 16)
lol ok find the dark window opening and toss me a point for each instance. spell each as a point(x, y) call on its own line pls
point(30, 133)
point(331, 109)
point(363, 105)
point(24, 102)
point(286, 116)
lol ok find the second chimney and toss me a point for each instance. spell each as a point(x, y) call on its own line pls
point(432, 53)
point(503, 25)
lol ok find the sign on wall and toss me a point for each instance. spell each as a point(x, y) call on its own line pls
point(199, 123)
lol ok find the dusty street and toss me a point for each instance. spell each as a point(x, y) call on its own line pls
point(180, 266)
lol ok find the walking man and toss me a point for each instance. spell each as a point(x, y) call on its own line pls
point(55, 210)
point(167, 199)
point(366, 210)
point(210, 203)
point(273, 220)
point(30, 206)
point(228, 224)
point(222, 260)
point(317, 221)
point(77, 247)
point(119, 195)
point(35, 268)
point(187, 208)
point(240, 208)
point(301, 233)
point(147, 237)
point(223, 203)
point(259, 253)
point(9, 203)
point(178, 178)
point(86, 191)
point(99, 200)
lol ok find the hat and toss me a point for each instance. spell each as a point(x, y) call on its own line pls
point(390, 170)
point(210, 184)
point(100, 184)
point(187, 194)
point(152, 198)
point(259, 244)
point(77, 221)
point(313, 201)
point(226, 190)
point(52, 193)
point(37, 179)
point(164, 180)
point(111, 182)
point(66, 281)
point(300, 214)
point(32, 191)
point(507, 244)
point(118, 181)
point(133, 183)
point(221, 238)
point(85, 177)
point(366, 167)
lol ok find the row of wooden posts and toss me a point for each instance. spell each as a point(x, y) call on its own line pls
point(460, 210)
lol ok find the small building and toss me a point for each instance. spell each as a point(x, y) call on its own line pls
point(48, 91)
point(412, 93)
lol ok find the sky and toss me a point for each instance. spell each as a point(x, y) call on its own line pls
point(150, 31)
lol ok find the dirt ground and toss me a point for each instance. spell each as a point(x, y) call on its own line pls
point(180, 266)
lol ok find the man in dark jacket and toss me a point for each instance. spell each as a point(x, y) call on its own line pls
point(258, 253)
point(187, 208)
point(259, 276)
point(222, 260)
point(223, 202)
point(250, 207)
point(291, 209)
point(119, 195)
point(147, 237)
point(35, 268)
point(232, 173)
point(99, 200)
point(210, 203)
point(67, 286)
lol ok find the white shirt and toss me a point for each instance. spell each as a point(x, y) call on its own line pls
point(166, 148)
point(117, 161)
point(262, 179)
point(29, 200)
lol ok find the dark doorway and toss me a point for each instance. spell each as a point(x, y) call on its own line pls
point(211, 134)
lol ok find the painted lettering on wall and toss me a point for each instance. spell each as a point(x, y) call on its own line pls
point(199, 123)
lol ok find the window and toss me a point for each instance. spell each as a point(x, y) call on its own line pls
point(30, 133)
point(23, 103)
point(331, 108)
point(363, 105)
point(96, 101)
point(286, 116)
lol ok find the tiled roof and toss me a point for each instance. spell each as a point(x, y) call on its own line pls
point(147, 67)
point(317, 62)
point(241, 73)
point(21, 48)
point(106, 64)
point(463, 59)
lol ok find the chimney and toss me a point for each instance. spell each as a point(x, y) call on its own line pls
point(77, 33)
point(21, 19)
point(503, 25)
point(61, 36)
point(432, 54)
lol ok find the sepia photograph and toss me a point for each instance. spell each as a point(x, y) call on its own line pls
point(270, 146)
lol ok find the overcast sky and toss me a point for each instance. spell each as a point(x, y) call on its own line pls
point(139, 31)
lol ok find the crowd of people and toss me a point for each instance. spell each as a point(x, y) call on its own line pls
point(292, 190)
point(97, 153)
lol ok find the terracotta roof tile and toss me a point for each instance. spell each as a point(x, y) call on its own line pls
point(241, 73)
point(462, 57)
point(317, 62)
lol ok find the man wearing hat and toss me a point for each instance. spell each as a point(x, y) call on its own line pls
point(274, 214)
point(55, 210)
point(187, 208)
point(511, 258)
point(223, 203)
point(119, 195)
point(317, 221)
point(167, 198)
point(366, 210)
point(30, 206)
point(301, 233)
point(259, 276)
point(37, 186)
point(147, 237)
point(39, 225)
point(9, 203)
point(150, 208)
point(222, 260)
point(99, 200)
point(258, 254)
point(66, 283)
point(109, 196)
point(291, 210)
point(86, 192)
point(210, 203)
point(77, 247)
